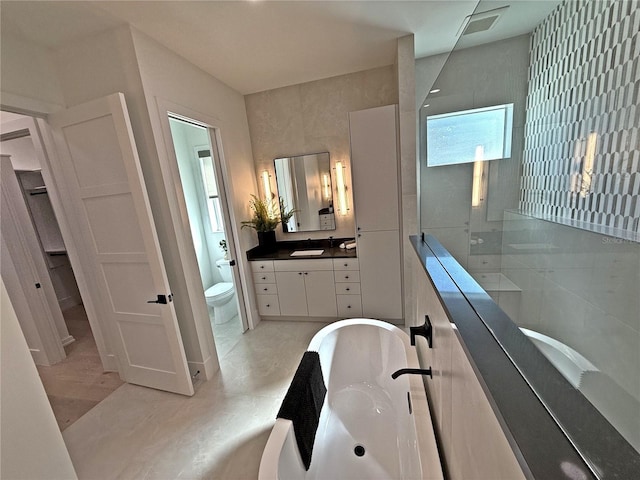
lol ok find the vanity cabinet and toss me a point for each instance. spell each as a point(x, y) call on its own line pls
point(306, 287)
point(347, 278)
point(374, 167)
point(264, 280)
point(321, 288)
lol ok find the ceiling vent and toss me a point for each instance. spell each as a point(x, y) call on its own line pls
point(481, 22)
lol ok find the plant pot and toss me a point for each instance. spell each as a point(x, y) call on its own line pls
point(267, 240)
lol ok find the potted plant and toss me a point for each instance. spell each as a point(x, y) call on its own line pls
point(266, 217)
point(225, 249)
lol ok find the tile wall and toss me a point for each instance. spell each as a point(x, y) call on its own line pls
point(582, 146)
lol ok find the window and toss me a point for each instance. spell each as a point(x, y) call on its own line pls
point(469, 135)
point(211, 190)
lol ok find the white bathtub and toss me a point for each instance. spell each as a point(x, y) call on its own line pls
point(364, 407)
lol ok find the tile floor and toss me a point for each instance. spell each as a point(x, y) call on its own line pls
point(219, 433)
point(78, 383)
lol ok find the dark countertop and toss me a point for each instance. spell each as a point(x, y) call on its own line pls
point(283, 250)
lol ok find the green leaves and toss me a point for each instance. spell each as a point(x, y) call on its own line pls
point(267, 214)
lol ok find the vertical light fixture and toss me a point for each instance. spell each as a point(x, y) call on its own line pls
point(326, 186)
point(478, 170)
point(266, 186)
point(342, 189)
point(587, 167)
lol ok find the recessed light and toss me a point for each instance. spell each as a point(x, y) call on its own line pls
point(435, 90)
point(426, 105)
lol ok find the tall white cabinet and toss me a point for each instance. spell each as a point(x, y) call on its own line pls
point(374, 166)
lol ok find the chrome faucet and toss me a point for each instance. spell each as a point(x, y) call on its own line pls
point(416, 371)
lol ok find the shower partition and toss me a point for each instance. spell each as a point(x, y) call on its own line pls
point(550, 230)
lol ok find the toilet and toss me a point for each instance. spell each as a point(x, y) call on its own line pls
point(221, 296)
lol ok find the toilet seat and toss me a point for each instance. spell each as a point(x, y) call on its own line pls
point(219, 291)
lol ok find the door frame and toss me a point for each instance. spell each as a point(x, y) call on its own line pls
point(23, 269)
point(180, 218)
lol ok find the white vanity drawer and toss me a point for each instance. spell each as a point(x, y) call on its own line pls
point(266, 289)
point(351, 276)
point(262, 266)
point(265, 277)
point(345, 264)
point(303, 265)
point(347, 288)
point(349, 305)
point(268, 304)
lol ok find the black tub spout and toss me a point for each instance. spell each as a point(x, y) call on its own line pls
point(416, 371)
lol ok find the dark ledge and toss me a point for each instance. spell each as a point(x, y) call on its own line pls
point(527, 392)
point(283, 250)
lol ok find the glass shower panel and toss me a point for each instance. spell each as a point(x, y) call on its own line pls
point(552, 233)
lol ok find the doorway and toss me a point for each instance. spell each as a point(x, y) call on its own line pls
point(74, 377)
point(200, 170)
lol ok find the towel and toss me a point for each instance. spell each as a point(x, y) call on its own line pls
point(303, 402)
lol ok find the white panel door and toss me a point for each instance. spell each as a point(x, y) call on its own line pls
point(113, 226)
point(380, 277)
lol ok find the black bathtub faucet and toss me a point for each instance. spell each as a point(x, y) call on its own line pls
point(415, 371)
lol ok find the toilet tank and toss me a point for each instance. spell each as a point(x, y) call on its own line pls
point(225, 270)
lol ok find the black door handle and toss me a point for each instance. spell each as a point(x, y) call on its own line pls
point(163, 299)
point(232, 263)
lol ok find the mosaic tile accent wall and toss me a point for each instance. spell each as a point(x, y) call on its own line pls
point(582, 140)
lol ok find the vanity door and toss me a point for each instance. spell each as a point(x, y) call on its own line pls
point(291, 293)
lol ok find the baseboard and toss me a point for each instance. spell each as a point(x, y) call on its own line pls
point(207, 368)
point(67, 340)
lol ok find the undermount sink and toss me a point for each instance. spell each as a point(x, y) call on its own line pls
point(307, 253)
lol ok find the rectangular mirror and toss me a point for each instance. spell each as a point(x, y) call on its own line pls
point(304, 183)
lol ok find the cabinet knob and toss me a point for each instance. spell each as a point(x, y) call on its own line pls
point(347, 289)
point(264, 278)
point(268, 305)
point(346, 276)
point(306, 273)
point(261, 266)
point(299, 273)
point(346, 264)
point(265, 289)
point(348, 306)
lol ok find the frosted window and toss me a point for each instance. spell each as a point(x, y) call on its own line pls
point(469, 135)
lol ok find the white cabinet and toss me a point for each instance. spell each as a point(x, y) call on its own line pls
point(374, 166)
point(264, 281)
point(380, 274)
point(347, 277)
point(306, 287)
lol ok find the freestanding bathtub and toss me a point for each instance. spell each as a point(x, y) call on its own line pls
point(371, 426)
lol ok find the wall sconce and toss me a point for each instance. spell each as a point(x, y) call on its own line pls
point(266, 186)
point(326, 186)
point(343, 208)
point(478, 171)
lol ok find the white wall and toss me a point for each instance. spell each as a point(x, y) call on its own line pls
point(32, 445)
point(28, 76)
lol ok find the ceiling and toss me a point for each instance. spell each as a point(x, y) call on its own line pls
point(260, 45)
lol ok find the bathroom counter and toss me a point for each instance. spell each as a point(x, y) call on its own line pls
point(283, 250)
